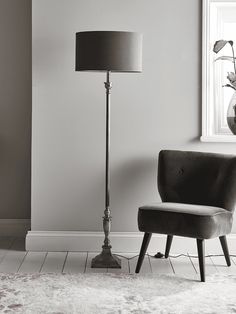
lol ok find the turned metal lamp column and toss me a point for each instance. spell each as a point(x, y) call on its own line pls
point(108, 51)
point(106, 258)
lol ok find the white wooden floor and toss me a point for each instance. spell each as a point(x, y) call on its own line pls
point(14, 258)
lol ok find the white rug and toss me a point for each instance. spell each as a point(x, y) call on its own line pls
point(111, 294)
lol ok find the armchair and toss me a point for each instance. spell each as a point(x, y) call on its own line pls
point(198, 192)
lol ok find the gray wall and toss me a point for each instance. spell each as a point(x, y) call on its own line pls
point(158, 109)
point(15, 108)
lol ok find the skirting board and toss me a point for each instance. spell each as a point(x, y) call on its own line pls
point(14, 227)
point(126, 242)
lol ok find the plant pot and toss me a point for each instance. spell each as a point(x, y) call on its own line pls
point(231, 114)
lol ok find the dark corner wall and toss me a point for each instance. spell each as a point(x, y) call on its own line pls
point(15, 109)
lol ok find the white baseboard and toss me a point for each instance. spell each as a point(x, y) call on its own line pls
point(120, 241)
point(14, 227)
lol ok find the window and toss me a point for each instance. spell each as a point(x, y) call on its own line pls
point(219, 22)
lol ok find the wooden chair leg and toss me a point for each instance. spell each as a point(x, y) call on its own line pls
point(168, 245)
point(146, 239)
point(201, 258)
point(224, 246)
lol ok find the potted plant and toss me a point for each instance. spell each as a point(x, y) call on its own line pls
point(231, 113)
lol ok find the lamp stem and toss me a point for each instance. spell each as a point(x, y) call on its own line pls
point(106, 259)
point(107, 212)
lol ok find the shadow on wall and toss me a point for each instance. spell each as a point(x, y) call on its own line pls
point(132, 175)
point(130, 188)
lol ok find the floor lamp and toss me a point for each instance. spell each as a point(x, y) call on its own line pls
point(108, 51)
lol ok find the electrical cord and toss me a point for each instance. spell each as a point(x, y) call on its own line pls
point(160, 255)
point(125, 257)
point(194, 256)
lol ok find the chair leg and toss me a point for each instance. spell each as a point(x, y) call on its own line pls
point(201, 258)
point(224, 245)
point(146, 239)
point(168, 245)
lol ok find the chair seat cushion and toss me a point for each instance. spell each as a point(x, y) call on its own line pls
point(195, 221)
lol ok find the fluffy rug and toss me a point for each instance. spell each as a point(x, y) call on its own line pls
point(111, 294)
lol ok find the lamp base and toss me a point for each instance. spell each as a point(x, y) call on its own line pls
point(106, 260)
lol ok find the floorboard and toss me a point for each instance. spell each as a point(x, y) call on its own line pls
point(233, 259)
point(5, 245)
point(14, 257)
point(146, 266)
point(54, 262)
point(183, 266)
point(32, 262)
point(75, 262)
point(161, 265)
point(220, 264)
point(210, 267)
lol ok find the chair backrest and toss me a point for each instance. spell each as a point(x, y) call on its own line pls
point(197, 178)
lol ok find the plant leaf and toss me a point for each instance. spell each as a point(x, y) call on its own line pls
point(228, 85)
point(227, 58)
point(219, 44)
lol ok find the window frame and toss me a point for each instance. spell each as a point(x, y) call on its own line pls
point(211, 131)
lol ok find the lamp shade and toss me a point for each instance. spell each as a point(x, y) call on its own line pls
point(109, 51)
